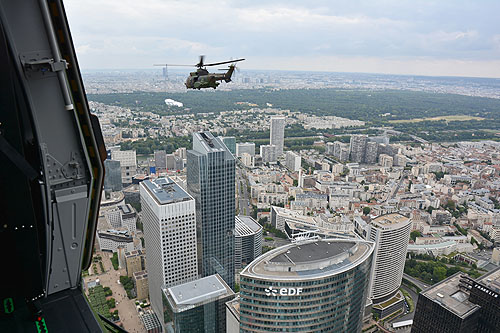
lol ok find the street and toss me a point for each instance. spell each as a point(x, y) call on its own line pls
point(243, 198)
point(418, 283)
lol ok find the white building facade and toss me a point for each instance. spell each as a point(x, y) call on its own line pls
point(170, 236)
point(293, 161)
point(245, 147)
point(128, 163)
point(391, 234)
point(269, 153)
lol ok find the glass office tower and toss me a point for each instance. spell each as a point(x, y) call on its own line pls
point(307, 286)
point(211, 181)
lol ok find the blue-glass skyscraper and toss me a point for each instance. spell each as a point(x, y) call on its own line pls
point(211, 181)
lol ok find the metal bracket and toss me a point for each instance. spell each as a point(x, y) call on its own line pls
point(39, 63)
point(45, 64)
point(57, 172)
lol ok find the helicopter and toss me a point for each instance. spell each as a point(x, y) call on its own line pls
point(201, 78)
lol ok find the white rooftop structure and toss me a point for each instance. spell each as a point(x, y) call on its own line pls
point(198, 292)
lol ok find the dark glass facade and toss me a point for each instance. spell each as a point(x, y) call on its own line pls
point(431, 316)
point(211, 181)
point(489, 300)
point(113, 176)
point(463, 305)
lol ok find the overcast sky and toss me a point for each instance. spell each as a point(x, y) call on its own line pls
point(443, 37)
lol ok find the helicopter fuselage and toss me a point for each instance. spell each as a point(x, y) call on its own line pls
point(203, 79)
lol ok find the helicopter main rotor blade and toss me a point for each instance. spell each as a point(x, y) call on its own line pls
point(164, 65)
point(224, 62)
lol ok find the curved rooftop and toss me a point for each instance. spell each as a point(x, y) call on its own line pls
point(310, 259)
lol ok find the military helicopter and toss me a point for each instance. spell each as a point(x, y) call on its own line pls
point(202, 78)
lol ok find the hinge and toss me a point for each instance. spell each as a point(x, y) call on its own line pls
point(39, 64)
point(46, 64)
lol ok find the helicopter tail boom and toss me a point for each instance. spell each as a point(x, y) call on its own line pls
point(229, 73)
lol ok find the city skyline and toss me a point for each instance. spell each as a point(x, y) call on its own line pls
point(432, 38)
point(283, 200)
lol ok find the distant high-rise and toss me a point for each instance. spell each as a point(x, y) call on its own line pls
point(385, 160)
point(293, 161)
point(277, 135)
point(269, 153)
point(371, 152)
point(160, 157)
point(358, 148)
point(341, 151)
point(170, 235)
point(211, 181)
point(330, 148)
point(245, 147)
point(112, 176)
point(128, 163)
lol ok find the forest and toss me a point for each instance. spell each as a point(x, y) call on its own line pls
point(375, 107)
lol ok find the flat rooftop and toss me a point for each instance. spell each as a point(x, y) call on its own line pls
point(246, 225)
point(448, 294)
point(491, 280)
point(431, 246)
point(390, 220)
point(310, 259)
point(166, 191)
point(127, 211)
point(198, 292)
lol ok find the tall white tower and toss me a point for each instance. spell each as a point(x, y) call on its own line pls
point(277, 136)
point(391, 234)
point(169, 220)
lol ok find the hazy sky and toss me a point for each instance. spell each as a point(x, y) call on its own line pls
point(443, 37)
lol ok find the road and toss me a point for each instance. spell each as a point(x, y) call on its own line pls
point(414, 297)
point(243, 198)
point(418, 283)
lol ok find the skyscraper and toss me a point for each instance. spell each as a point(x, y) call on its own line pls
point(293, 161)
point(211, 181)
point(317, 285)
point(277, 136)
point(358, 148)
point(170, 236)
point(391, 234)
point(128, 163)
point(160, 157)
point(371, 152)
point(112, 176)
point(269, 153)
point(197, 306)
point(460, 304)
